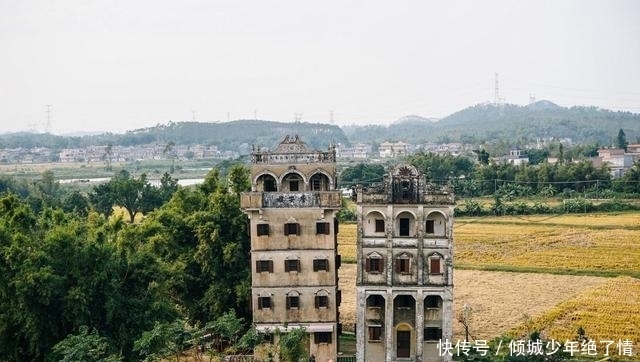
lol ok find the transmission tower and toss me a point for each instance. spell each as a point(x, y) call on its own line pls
point(47, 126)
point(496, 98)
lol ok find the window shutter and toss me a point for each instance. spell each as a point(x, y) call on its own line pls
point(435, 266)
point(297, 227)
point(259, 303)
point(317, 301)
point(286, 265)
point(288, 303)
point(398, 265)
point(367, 265)
point(270, 266)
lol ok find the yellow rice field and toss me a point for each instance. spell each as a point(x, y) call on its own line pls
point(347, 242)
point(610, 311)
point(599, 244)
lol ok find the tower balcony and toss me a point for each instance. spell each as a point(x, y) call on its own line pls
point(304, 199)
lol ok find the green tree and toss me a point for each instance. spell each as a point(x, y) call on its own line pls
point(361, 173)
point(134, 195)
point(239, 179)
point(292, 345)
point(164, 340)
point(621, 140)
point(85, 347)
point(483, 156)
point(76, 202)
point(629, 183)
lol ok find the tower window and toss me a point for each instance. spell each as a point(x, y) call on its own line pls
point(322, 301)
point(292, 228)
point(375, 333)
point(320, 264)
point(264, 302)
point(432, 334)
point(404, 302)
point(403, 265)
point(430, 227)
point(293, 302)
point(316, 183)
point(269, 184)
point(404, 226)
point(322, 337)
point(375, 301)
point(373, 264)
point(322, 228)
point(263, 229)
point(434, 265)
point(292, 265)
point(432, 301)
point(293, 186)
point(379, 225)
point(264, 266)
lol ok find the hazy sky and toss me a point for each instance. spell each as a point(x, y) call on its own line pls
point(118, 65)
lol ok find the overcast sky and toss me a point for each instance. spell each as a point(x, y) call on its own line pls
point(120, 65)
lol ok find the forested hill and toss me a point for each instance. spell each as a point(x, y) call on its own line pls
point(226, 135)
point(486, 122)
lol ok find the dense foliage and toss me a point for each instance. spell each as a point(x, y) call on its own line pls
point(505, 180)
point(80, 286)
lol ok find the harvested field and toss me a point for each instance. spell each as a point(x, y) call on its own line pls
point(608, 311)
point(499, 300)
point(595, 244)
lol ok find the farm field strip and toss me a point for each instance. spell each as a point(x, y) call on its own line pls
point(624, 220)
point(608, 311)
point(572, 249)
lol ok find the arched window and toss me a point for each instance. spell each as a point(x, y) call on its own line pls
point(403, 263)
point(435, 263)
point(374, 263)
point(319, 182)
point(293, 300)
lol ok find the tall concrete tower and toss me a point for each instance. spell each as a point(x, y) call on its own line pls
point(404, 277)
point(292, 209)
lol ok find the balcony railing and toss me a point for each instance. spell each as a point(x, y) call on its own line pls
point(256, 200)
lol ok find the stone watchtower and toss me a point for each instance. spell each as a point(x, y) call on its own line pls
point(292, 209)
point(404, 278)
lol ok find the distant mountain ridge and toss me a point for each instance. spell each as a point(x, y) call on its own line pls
point(476, 124)
point(226, 135)
point(484, 122)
